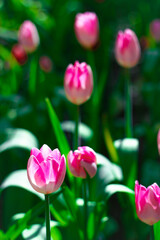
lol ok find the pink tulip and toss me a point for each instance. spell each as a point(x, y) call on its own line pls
point(147, 203)
point(81, 161)
point(155, 29)
point(46, 169)
point(158, 141)
point(127, 49)
point(19, 53)
point(28, 36)
point(45, 64)
point(86, 28)
point(78, 82)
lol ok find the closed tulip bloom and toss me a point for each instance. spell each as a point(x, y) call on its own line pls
point(127, 49)
point(82, 161)
point(147, 203)
point(19, 53)
point(45, 64)
point(155, 29)
point(78, 82)
point(28, 36)
point(46, 169)
point(86, 28)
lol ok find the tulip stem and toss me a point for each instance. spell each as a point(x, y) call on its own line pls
point(85, 209)
point(76, 139)
point(152, 232)
point(128, 106)
point(48, 232)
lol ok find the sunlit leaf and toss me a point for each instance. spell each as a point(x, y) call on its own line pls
point(19, 179)
point(128, 157)
point(84, 131)
point(115, 188)
point(16, 229)
point(17, 138)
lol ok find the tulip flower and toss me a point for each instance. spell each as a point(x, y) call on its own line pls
point(45, 64)
point(147, 203)
point(46, 169)
point(127, 49)
point(78, 82)
point(28, 36)
point(82, 161)
point(19, 53)
point(155, 29)
point(86, 28)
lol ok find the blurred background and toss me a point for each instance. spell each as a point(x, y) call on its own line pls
point(25, 83)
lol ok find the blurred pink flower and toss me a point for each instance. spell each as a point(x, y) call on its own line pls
point(147, 203)
point(86, 28)
point(155, 29)
point(78, 82)
point(158, 141)
point(45, 64)
point(127, 49)
point(19, 53)
point(81, 161)
point(28, 36)
point(46, 169)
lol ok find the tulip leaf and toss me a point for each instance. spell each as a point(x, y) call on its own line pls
point(114, 188)
point(60, 136)
point(37, 231)
point(33, 76)
point(17, 138)
point(128, 157)
point(156, 228)
point(107, 172)
point(16, 229)
point(19, 179)
point(84, 131)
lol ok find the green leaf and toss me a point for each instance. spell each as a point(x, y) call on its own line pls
point(60, 136)
point(3, 236)
point(19, 179)
point(16, 229)
point(37, 231)
point(128, 157)
point(107, 172)
point(114, 188)
point(17, 138)
point(156, 228)
point(70, 201)
point(33, 76)
point(84, 131)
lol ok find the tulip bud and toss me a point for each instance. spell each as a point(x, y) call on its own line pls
point(45, 64)
point(155, 29)
point(86, 28)
point(147, 203)
point(158, 141)
point(19, 53)
point(78, 82)
point(46, 169)
point(127, 49)
point(28, 36)
point(81, 161)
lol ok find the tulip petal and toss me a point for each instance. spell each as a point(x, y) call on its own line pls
point(45, 150)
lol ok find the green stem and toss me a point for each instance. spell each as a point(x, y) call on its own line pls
point(48, 232)
point(128, 106)
point(91, 62)
point(76, 136)
point(85, 210)
point(152, 233)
